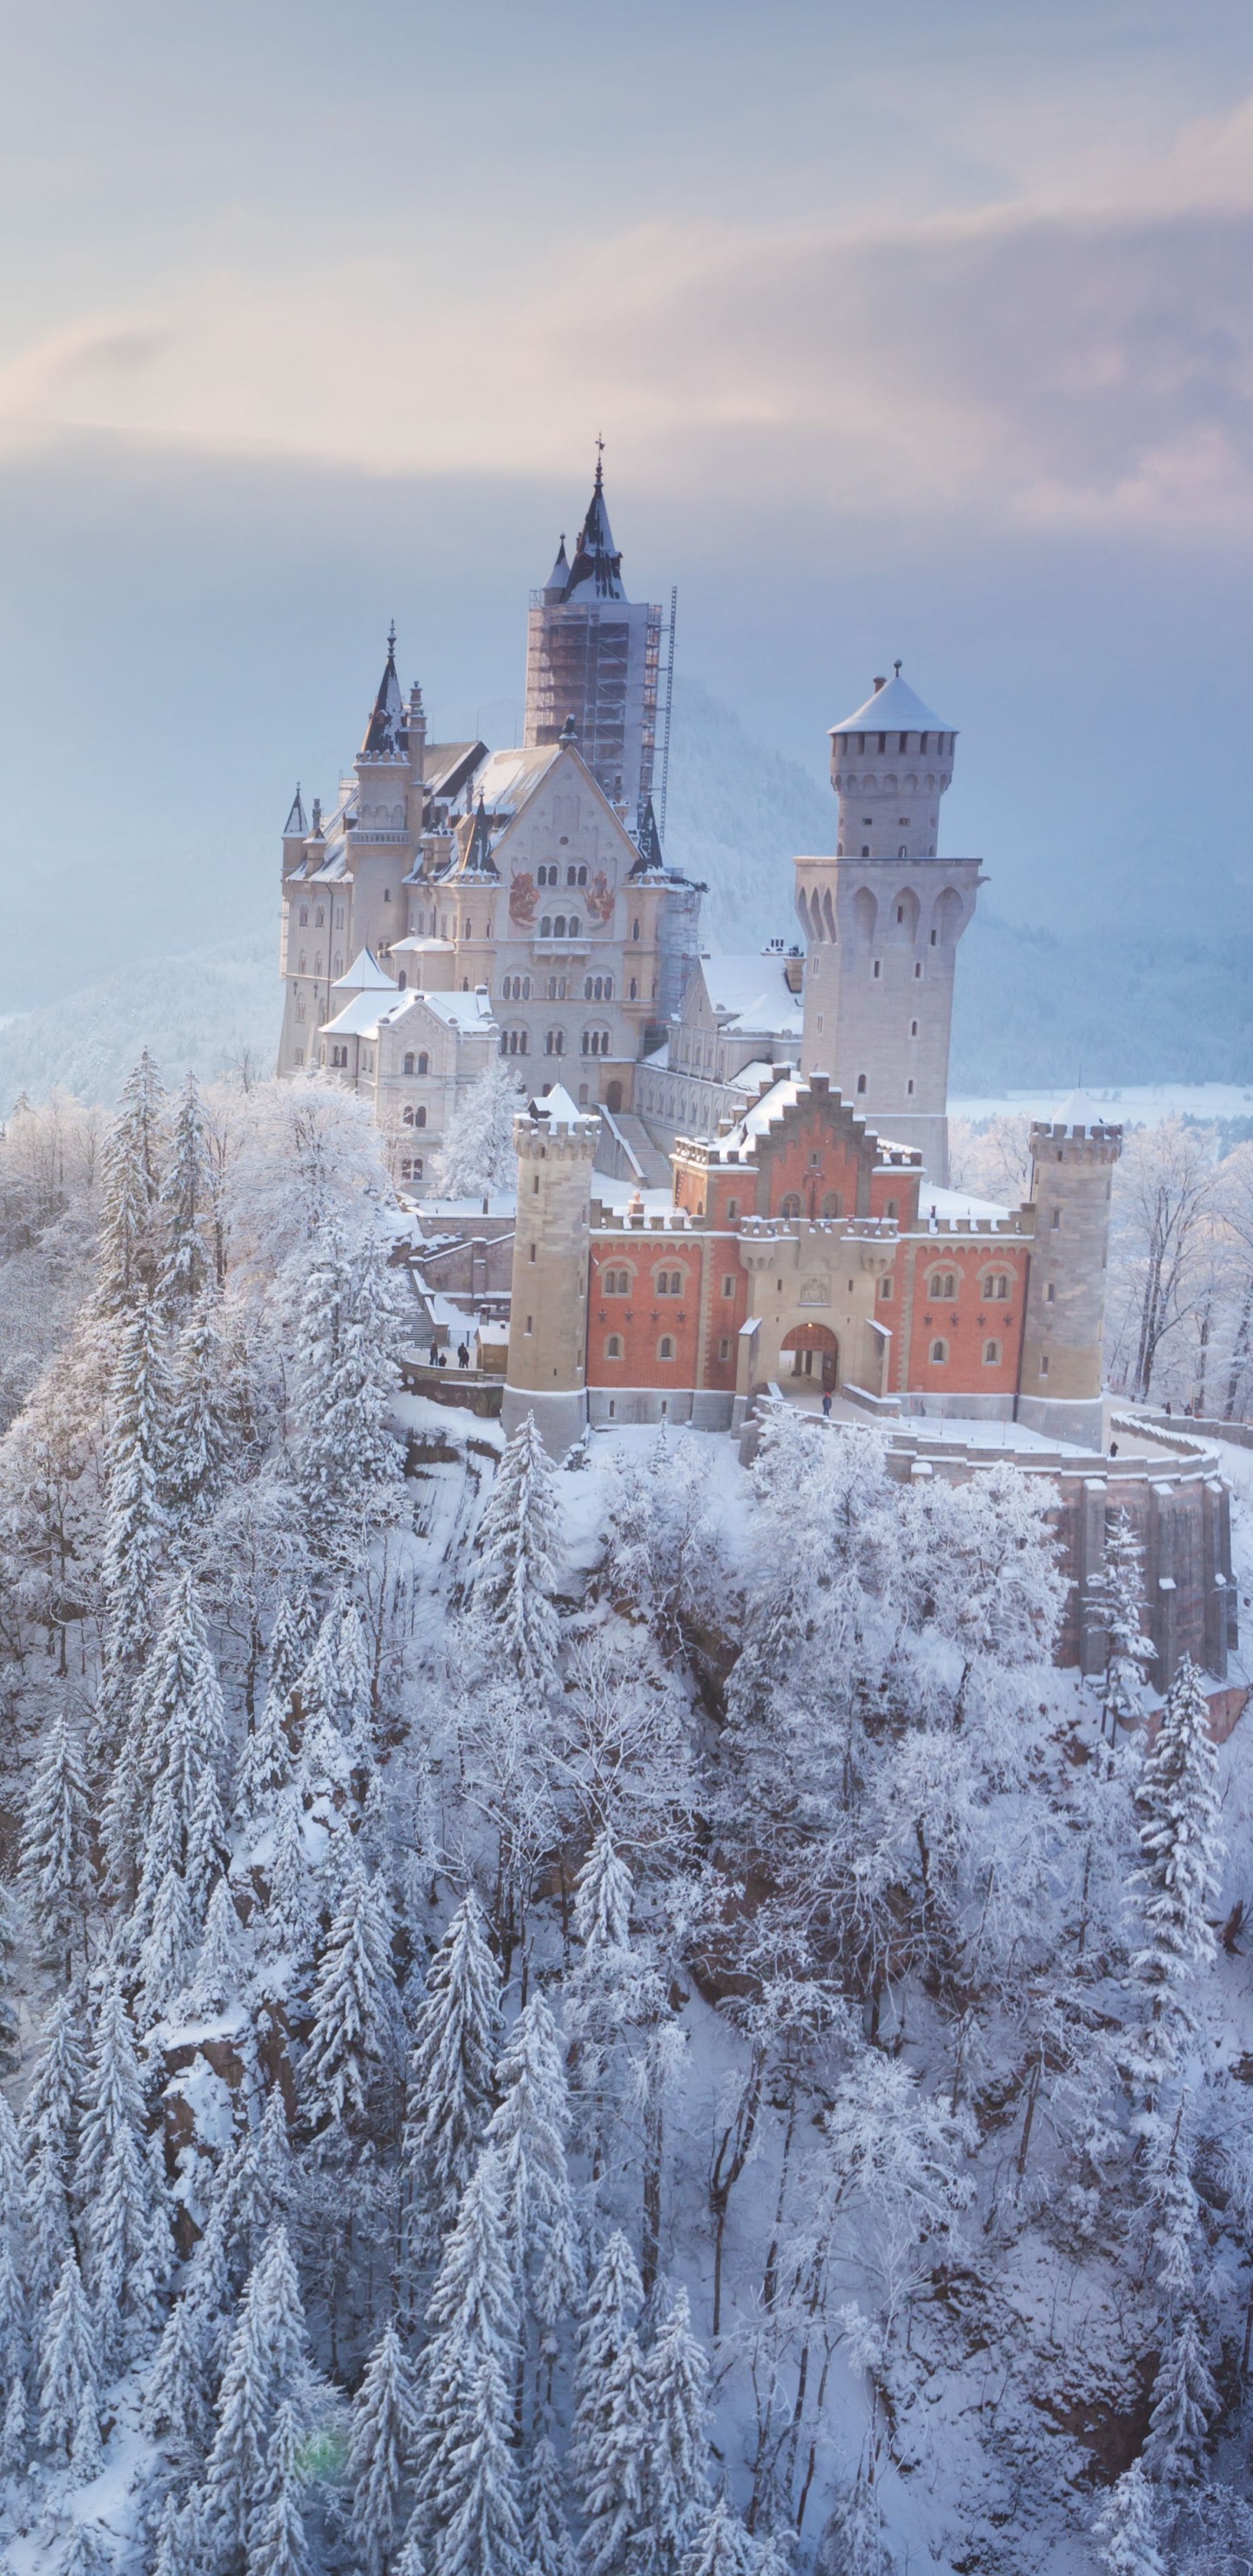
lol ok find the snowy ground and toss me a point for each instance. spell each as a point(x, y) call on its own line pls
point(1128, 1104)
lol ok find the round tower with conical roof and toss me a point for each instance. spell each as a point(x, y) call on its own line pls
point(547, 1370)
point(882, 918)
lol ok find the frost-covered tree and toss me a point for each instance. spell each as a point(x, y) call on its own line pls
point(1115, 1610)
point(1177, 1805)
point(614, 2480)
point(676, 2406)
point(278, 2546)
point(265, 2366)
point(354, 2004)
point(1125, 2528)
point(54, 1862)
point(347, 1461)
point(720, 2545)
point(1185, 2403)
point(165, 1951)
point(208, 1845)
point(47, 2136)
point(69, 2371)
point(384, 2417)
point(512, 1618)
point(465, 2393)
point(175, 2400)
point(610, 2315)
point(12, 2294)
point(125, 2225)
point(291, 1910)
point(452, 2065)
point(137, 1424)
point(132, 1165)
point(200, 1435)
point(219, 1967)
point(548, 2547)
point(528, 2130)
point(9, 2044)
point(852, 2544)
point(14, 2429)
point(187, 1202)
point(478, 1155)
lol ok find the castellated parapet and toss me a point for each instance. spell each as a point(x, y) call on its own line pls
point(1064, 1321)
point(547, 1376)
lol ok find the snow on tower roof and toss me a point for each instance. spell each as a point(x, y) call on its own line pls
point(296, 827)
point(895, 707)
point(1079, 1109)
point(753, 991)
point(557, 1109)
point(596, 559)
point(387, 723)
point(365, 975)
point(560, 573)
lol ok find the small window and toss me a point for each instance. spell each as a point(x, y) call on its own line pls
point(935, 939)
point(546, 927)
point(555, 1042)
point(733, 1210)
point(939, 1353)
point(635, 930)
point(419, 1117)
point(878, 969)
point(1050, 1294)
point(996, 1285)
point(582, 876)
point(617, 1283)
point(890, 1210)
point(319, 918)
point(407, 1066)
point(918, 972)
point(900, 909)
point(424, 1064)
point(942, 1285)
point(407, 1120)
point(885, 1291)
point(572, 876)
point(613, 1347)
point(861, 1082)
point(833, 1204)
point(304, 916)
point(669, 1283)
point(1056, 1219)
point(909, 1088)
point(913, 1028)
point(790, 1206)
point(724, 1347)
point(1044, 1365)
point(728, 1284)
point(991, 1355)
point(665, 1347)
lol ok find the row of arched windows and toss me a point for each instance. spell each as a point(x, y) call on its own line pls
point(420, 1064)
point(619, 1283)
point(550, 875)
point(614, 1349)
point(557, 926)
point(944, 1285)
point(598, 988)
point(414, 1118)
point(319, 916)
point(940, 1350)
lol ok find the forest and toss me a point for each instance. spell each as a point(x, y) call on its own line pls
point(606, 2018)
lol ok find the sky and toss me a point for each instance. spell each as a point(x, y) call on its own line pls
point(909, 331)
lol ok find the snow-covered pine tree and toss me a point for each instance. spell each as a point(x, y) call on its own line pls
point(135, 1449)
point(291, 1910)
point(610, 2315)
point(1177, 1803)
point(676, 2406)
point(69, 2368)
point(187, 1200)
point(125, 2226)
point(183, 1719)
point(292, 1635)
point(14, 2432)
point(165, 1951)
point(208, 1845)
point(54, 1863)
point(200, 1428)
point(47, 2138)
point(1114, 1609)
point(265, 2365)
point(220, 1966)
point(529, 2129)
point(548, 2547)
point(614, 2480)
point(347, 1461)
point(265, 1764)
point(720, 2545)
point(482, 2535)
point(451, 2068)
point(1125, 2528)
point(355, 2005)
point(175, 2399)
point(12, 2293)
point(85, 2552)
point(278, 2546)
point(131, 1175)
point(10, 2049)
point(473, 2321)
point(852, 2544)
point(384, 2418)
point(511, 1611)
point(478, 1155)
point(1185, 2402)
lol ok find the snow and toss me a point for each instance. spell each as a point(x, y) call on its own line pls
point(752, 993)
point(893, 707)
point(364, 975)
point(1143, 1104)
point(949, 1206)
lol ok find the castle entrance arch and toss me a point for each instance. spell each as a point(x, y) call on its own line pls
point(815, 1353)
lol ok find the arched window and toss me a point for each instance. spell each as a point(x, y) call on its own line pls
point(942, 1285)
point(791, 1205)
point(613, 1346)
point(733, 1210)
point(559, 926)
point(669, 1283)
point(996, 1285)
point(595, 1042)
point(616, 1283)
point(402, 979)
point(833, 1204)
point(407, 1118)
point(407, 1066)
point(304, 916)
point(574, 925)
point(319, 918)
point(419, 1117)
point(555, 1042)
point(939, 1353)
point(301, 1013)
point(991, 1355)
point(635, 990)
point(665, 1347)
point(424, 1064)
point(339, 916)
point(572, 876)
point(317, 963)
point(582, 876)
point(546, 927)
point(513, 1042)
point(300, 963)
point(635, 930)
point(861, 1082)
point(469, 930)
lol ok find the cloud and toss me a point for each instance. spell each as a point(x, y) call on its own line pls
point(1039, 365)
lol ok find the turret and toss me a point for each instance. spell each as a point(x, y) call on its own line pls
point(882, 919)
point(295, 833)
point(1064, 1324)
point(547, 1373)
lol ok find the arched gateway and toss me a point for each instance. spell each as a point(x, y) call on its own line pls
point(815, 1353)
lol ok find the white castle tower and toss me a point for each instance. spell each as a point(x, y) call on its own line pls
point(548, 1310)
point(1072, 1165)
point(882, 920)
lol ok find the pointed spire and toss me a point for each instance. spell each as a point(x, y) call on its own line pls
point(479, 861)
point(596, 559)
point(648, 839)
point(295, 828)
point(382, 740)
point(555, 586)
point(569, 732)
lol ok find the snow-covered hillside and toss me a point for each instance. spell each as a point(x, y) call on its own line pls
point(206, 1012)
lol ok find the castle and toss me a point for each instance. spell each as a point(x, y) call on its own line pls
point(732, 1171)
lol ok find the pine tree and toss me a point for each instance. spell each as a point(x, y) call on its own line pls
point(200, 1432)
point(219, 1968)
point(721, 2546)
point(512, 1614)
point(606, 2328)
point(1125, 2528)
point(209, 2298)
point(265, 1764)
point(676, 2382)
point(208, 1846)
point(12, 2293)
point(384, 2416)
point(1114, 1610)
point(473, 2320)
point(347, 1461)
point(183, 1721)
point(10, 2046)
point(482, 2535)
point(529, 2130)
point(131, 1175)
point(1185, 2402)
point(14, 2435)
point(126, 2227)
point(175, 2400)
point(84, 2553)
point(478, 1156)
point(68, 2375)
point(47, 2138)
point(1177, 1802)
point(614, 2481)
point(188, 1267)
point(265, 2366)
point(354, 2003)
point(290, 1913)
point(165, 1951)
point(278, 2545)
point(134, 1460)
point(54, 1864)
point(548, 2549)
point(451, 2068)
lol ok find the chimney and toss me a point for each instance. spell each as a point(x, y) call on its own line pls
point(880, 684)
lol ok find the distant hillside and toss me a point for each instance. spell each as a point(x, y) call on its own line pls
point(207, 1011)
point(738, 815)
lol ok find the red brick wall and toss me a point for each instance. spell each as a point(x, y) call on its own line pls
point(646, 1314)
point(965, 1321)
point(789, 1168)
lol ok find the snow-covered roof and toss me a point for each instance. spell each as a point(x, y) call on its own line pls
point(469, 1012)
point(507, 778)
point(557, 1109)
point(949, 1205)
point(894, 707)
point(358, 1018)
point(758, 1120)
point(752, 993)
point(365, 975)
point(413, 946)
point(1079, 1109)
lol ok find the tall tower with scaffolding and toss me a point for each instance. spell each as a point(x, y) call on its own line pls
point(594, 656)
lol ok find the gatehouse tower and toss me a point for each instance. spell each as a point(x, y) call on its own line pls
point(548, 1309)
